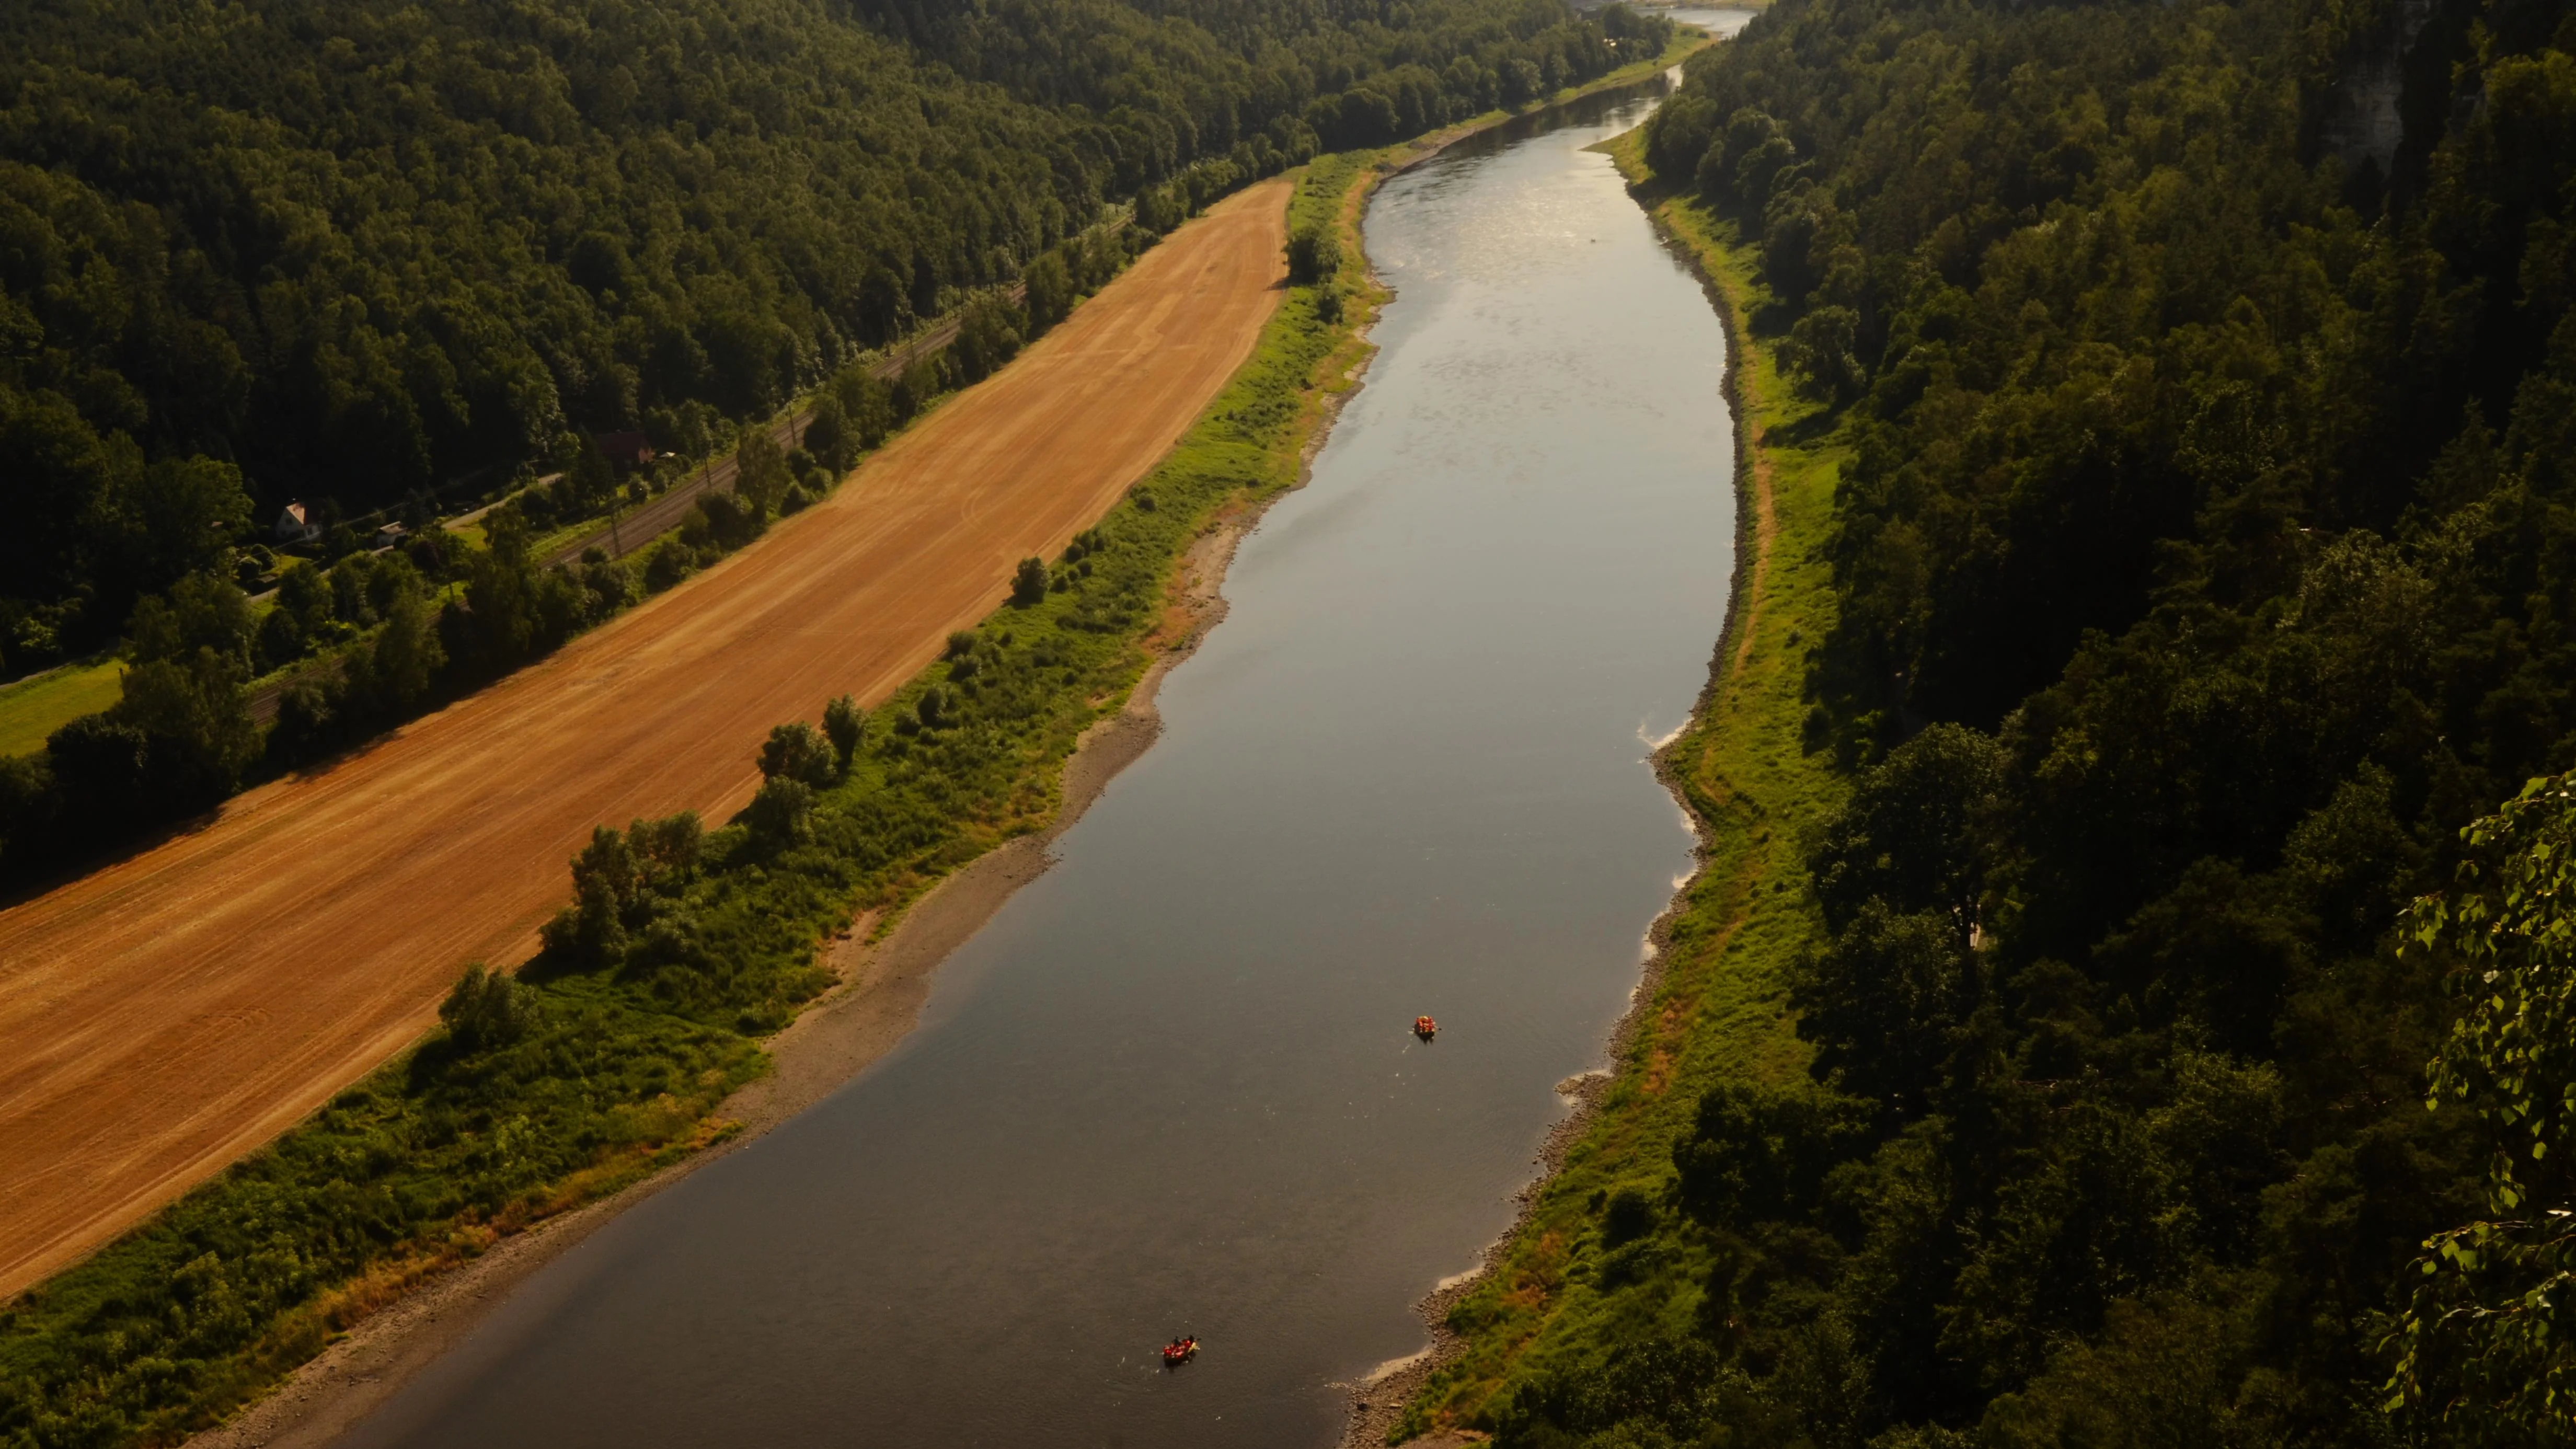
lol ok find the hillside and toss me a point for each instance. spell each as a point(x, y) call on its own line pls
point(390, 261)
point(351, 252)
point(2195, 380)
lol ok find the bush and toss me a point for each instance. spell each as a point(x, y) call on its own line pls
point(668, 563)
point(280, 640)
point(308, 719)
point(1630, 1216)
point(932, 708)
point(99, 763)
point(1822, 353)
point(761, 478)
point(794, 752)
point(991, 333)
point(844, 724)
point(486, 1009)
point(1029, 583)
point(1314, 257)
point(782, 813)
point(829, 437)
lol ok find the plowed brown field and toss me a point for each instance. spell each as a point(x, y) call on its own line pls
point(170, 1013)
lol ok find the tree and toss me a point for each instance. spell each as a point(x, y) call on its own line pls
point(406, 656)
point(828, 437)
point(198, 728)
point(601, 271)
point(1050, 292)
point(761, 478)
point(202, 611)
point(1918, 833)
point(781, 813)
point(869, 402)
point(178, 517)
point(590, 483)
point(844, 723)
point(1762, 1152)
point(1029, 583)
point(988, 335)
point(1882, 1001)
point(795, 752)
point(1822, 350)
point(486, 1009)
point(1314, 257)
point(2486, 1348)
point(99, 763)
point(303, 597)
point(501, 592)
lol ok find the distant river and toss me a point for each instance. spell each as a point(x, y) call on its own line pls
point(1171, 1086)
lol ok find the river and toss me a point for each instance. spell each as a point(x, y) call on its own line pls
point(1170, 1087)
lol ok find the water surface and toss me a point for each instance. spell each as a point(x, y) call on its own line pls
point(1170, 1087)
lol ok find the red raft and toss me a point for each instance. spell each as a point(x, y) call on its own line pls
point(1425, 1028)
point(1180, 1351)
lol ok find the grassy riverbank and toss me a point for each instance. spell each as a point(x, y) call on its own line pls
point(609, 1058)
point(1590, 1266)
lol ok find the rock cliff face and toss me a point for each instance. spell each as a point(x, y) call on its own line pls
point(2366, 123)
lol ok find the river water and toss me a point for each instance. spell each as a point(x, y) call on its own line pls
point(1170, 1087)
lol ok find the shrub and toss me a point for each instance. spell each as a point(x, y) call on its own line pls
point(782, 813)
point(932, 708)
point(794, 752)
point(843, 724)
point(829, 438)
point(668, 563)
point(1630, 1215)
point(1029, 583)
point(280, 640)
point(486, 1009)
point(1314, 257)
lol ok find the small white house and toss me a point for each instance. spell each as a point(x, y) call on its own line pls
point(294, 527)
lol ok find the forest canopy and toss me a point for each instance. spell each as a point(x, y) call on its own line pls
point(2204, 563)
point(356, 251)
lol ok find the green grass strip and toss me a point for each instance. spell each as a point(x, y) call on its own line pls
point(33, 709)
point(600, 1072)
point(1555, 1300)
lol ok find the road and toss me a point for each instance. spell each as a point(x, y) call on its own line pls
point(169, 1013)
point(661, 514)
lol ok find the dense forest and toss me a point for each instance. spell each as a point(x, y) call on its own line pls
point(2205, 564)
point(387, 259)
point(355, 253)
